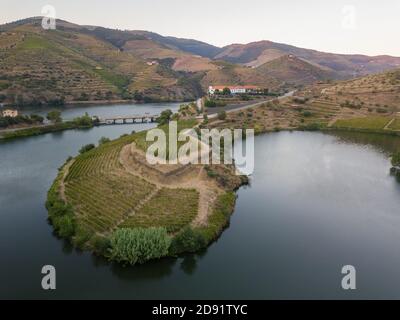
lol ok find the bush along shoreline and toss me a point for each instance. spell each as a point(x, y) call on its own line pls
point(83, 122)
point(395, 170)
point(137, 245)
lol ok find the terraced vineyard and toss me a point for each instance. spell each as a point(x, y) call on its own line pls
point(105, 196)
point(170, 208)
point(372, 123)
point(100, 191)
point(321, 111)
point(101, 201)
point(94, 162)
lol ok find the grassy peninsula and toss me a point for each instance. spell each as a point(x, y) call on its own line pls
point(109, 200)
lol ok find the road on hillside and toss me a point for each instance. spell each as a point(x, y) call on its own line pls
point(212, 112)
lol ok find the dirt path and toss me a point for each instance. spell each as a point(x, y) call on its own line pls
point(194, 177)
point(62, 183)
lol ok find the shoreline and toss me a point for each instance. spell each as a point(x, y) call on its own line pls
point(214, 209)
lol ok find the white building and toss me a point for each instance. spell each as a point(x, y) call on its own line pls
point(10, 113)
point(233, 89)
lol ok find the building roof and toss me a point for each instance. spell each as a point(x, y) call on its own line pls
point(233, 87)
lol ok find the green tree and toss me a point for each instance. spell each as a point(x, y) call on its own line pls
point(86, 148)
point(103, 140)
point(187, 240)
point(226, 91)
point(55, 116)
point(165, 117)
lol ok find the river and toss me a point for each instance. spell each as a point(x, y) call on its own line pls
point(316, 202)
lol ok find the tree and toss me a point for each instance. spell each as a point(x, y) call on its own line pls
point(221, 115)
point(165, 117)
point(226, 91)
point(87, 148)
point(54, 116)
point(187, 240)
point(103, 140)
point(36, 118)
point(84, 121)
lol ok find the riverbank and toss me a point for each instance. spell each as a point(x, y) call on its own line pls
point(38, 130)
point(186, 206)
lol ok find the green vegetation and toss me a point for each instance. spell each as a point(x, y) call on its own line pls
point(165, 117)
point(60, 214)
point(210, 103)
point(139, 245)
point(55, 116)
point(373, 123)
point(187, 240)
point(86, 148)
point(395, 125)
point(78, 123)
point(396, 159)
point(20, 119)
point(221, 115)
point(219, 219)
point(169, 208)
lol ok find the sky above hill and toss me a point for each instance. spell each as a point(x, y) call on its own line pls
point(341, 26)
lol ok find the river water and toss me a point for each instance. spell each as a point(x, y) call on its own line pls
point(316, 202)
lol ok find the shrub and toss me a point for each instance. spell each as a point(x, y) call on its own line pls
point(221, 115)
point(101, 245)
point(210, 103)
point(103, 140)
point(86, 148)
point(396, 159)
point(139, 245)
point(307, 113)
point(187, 240)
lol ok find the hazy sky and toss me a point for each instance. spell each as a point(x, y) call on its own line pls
point(342, 26)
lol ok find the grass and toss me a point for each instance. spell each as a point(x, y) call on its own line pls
point(395, 125)
point(372, 123)
point(170, 208)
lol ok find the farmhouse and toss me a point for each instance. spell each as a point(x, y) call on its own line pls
point(10, 113)
point(233, 89)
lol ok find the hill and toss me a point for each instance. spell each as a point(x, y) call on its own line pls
point(77, 64)
point(74, 64)
point(258, 53)
point(292, 70)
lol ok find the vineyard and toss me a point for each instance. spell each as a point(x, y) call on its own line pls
point(169, 208)
point(105, 196)
point(101, 201)
point(102, 159)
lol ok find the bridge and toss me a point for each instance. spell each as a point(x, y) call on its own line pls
point(126, 119)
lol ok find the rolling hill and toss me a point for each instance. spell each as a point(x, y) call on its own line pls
point(76, 63)
point(258, 53)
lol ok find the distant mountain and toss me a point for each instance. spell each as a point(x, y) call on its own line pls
point(292, 70)
point(76, 63)
point(258, 53)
